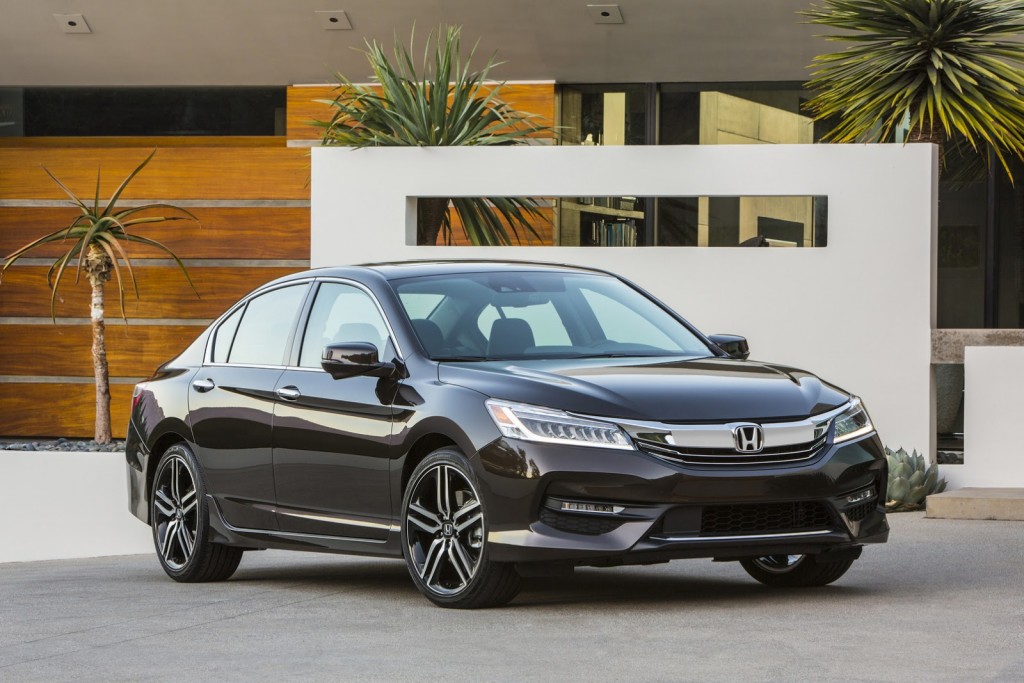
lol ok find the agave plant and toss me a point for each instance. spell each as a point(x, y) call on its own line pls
point(442, 102)
point(944, 66)
point(910, 481)
point(95, 238)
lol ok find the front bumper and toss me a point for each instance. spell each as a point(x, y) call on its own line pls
point(665, 510)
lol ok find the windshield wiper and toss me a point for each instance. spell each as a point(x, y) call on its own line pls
point(461, 359)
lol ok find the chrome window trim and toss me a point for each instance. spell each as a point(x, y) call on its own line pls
point(215, 326)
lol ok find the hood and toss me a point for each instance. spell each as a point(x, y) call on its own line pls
point(706, 389)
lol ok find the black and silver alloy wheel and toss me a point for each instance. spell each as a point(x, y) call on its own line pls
point(444, 531)
point(180, 521)
point(796, 571)
point(176, 508)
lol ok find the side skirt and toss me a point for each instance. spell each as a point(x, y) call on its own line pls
point(260, 539)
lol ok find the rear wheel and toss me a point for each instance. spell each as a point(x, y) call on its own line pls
point(795, 571)
point(180, 522)
point(444, 536)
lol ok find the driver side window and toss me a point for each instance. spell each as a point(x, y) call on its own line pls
point(342, 313)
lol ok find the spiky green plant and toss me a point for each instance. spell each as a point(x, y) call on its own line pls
point(947, 66)
point(911, 480)
point(443, 102)
point(94, 240)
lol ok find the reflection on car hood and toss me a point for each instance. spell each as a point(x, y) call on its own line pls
point(678, 390)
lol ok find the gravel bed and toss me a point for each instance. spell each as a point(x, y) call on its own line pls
point(60, 445)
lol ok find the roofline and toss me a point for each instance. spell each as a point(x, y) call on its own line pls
point(567, 266)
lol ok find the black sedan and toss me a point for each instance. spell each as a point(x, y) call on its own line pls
point(488, 421)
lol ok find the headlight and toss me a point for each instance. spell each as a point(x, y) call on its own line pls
point(530, 423)
point(853, 423)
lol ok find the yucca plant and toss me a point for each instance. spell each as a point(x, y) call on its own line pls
point(94, 240)
point(945, 67)
point(442, 102)
point(911, 480)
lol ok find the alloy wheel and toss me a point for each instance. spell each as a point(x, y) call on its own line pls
point(444, 524)
point(176, 509)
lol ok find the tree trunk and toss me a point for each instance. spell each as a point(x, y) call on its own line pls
point(98, 269)
point(430, 213)
point(931, 133)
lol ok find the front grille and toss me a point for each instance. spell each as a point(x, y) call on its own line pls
point(860, 512)
point(728, 456)
point(719, 520)
point(577, 523)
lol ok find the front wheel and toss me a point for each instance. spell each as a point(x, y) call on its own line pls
point(444, 537)
point(795, 571)
point(180, 521)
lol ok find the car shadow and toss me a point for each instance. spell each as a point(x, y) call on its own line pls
point(587, 586)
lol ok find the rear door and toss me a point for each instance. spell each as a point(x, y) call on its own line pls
point(231, 404)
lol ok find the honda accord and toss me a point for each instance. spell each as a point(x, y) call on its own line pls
point(487, 421)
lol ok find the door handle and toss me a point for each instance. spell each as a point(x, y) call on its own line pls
point(288, 393)
point(203, 385)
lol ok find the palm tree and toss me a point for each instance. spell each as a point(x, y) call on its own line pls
point(443, 102)
point(946, 67)
point(96, 235)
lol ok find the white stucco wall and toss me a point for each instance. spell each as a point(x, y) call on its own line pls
point(66, 505)
point(993, 419)
point(858, 312)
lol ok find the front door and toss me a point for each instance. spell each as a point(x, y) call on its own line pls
point(332, 438)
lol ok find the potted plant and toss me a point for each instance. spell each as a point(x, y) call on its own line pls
point(95, 240)
point(444, 101)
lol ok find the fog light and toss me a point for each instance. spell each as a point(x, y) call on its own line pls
point(582, 506)
point(860, 496)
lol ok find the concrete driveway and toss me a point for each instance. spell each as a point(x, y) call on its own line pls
point(943, 601)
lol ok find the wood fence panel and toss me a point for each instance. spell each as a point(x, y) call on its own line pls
point(60, 409)
point(221, 233)
point(535, 98)
point(66, 350)
point(163, 290)
point(174, 173)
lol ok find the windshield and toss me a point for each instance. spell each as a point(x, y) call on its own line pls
point(539, 315)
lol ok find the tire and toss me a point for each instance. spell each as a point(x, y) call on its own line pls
point(795, 571)
point(444, 536)
point(180, 521)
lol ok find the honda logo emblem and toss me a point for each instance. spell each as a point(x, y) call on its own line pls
point(749, 438)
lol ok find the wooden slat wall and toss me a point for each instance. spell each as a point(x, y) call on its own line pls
point(250, 196)
point(543, 227)
point(303, 107)
point(243, 232)
point(59, 409)
point(133, 350)
point(174, 173)
point(163, 291)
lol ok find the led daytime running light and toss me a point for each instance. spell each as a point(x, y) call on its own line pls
point(853, 423)
point(532, 423)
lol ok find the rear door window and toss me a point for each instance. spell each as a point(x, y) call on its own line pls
point(266, 326)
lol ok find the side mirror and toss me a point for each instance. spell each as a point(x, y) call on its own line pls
point(352, 359)
point(733, 344)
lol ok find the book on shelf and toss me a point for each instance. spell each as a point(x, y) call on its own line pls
point(619, 233)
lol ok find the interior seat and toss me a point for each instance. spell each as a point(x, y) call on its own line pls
point(509, 337)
